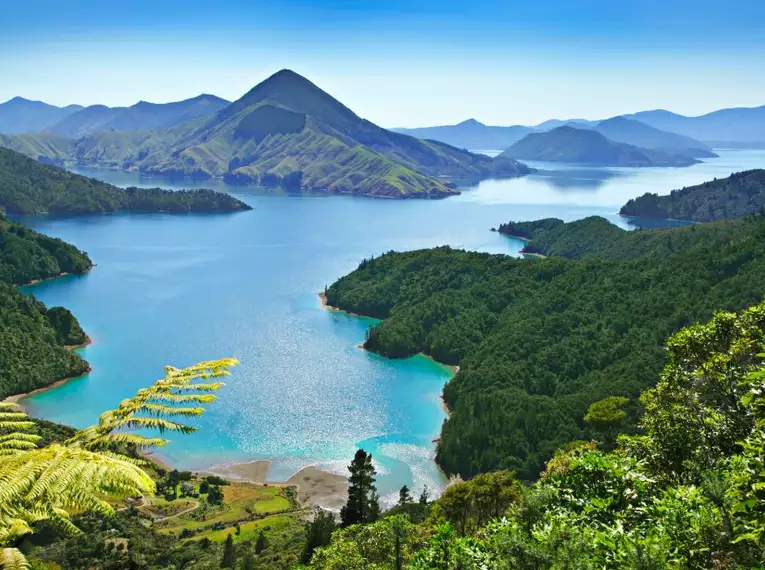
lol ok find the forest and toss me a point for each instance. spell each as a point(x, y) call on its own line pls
point(33, 338)
point(539, 341)
point(737, 195)
point(29, 187)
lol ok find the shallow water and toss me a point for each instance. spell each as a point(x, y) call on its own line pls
point(176, 289)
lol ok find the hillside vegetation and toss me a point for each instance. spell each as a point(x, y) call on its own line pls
point(739, 194)
point(538, 341)
point(33, 337)
point(28, 187)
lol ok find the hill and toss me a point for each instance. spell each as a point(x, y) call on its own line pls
point(33, 338)
point(538, 341)
point(739, 194)
point(28, 187)
point(20, 115)
point(287, 132)
point(630, 131)
point(739, 125)
point(142, 116)
point(586, 146)
point(471, 134)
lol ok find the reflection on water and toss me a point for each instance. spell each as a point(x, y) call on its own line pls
point(577, 179)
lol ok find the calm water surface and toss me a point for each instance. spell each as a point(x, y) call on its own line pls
point(179, 289)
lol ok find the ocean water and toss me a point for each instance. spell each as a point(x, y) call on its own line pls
point(177, 289)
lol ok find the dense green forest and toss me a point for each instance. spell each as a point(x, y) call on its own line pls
point(538, 341)
point(739, 194)
point(32, 337)
point(29, 187)
point(687, 493)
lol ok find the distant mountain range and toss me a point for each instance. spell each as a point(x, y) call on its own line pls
point(587, 146)
point(471, 134)
point(630, 131)
point(21, 115)
point(284, 132)
point(741, 125)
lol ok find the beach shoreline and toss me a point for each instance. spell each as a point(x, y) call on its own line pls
point(18, 398)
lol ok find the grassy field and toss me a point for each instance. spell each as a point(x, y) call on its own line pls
point(251, 529)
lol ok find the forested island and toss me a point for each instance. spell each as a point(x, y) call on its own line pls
point(29, 187)
point(587, 146)
point(739, 194)
point(538, 342)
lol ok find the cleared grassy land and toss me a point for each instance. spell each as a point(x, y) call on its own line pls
point(251, 529)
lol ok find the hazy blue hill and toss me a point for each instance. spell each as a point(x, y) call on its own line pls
point(139, 117)
point(471, 134)
point(21, 115)
point(742, 125)
point(630, 131)
point(28, 187)
point(586, 146)
point(555, 123)
point(738, 195)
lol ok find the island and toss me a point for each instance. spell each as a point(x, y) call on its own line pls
point(29, 187)
point(285, 132)
point(737, 195)
point(587, 146)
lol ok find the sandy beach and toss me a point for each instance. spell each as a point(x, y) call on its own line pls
point(315, 487)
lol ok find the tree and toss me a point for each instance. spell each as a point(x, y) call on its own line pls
point(607, 416)
point(362, 505)
point(318, 533)
point(215, 495)
point(404, 498)
point(228, 553)
point(424, 496)
point(47, 484)
point(261, 544)
point(248, 562)
point(204, 487)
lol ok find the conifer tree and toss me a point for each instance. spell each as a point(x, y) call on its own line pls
point(404, 498)
point(261, 543)
point(228, 553)
point(362, 505)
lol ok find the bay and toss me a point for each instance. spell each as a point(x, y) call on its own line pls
point(177, 289)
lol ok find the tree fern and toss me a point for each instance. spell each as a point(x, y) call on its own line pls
point(50, 483)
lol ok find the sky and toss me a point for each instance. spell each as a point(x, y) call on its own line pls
point(398, 63)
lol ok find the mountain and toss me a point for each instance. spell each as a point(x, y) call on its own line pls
point(142, 116)
point(21, 115)
point(630, 131)
point(288, 132)
point(738, 125)
point(538, 341)
point(471, 134)
point(555, 123)
point(585, 146)
point(28, 187)
point(738, 195)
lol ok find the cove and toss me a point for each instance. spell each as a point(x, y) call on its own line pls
point(179, 289)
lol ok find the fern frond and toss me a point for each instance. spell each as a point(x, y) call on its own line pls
point(150, 407)
point(13, 559)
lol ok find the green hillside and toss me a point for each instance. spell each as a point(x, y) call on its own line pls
point(28, 187)
point(33, 337)
point(586, 146)
point(739, 194)
point(287, 132)
point(538, 341)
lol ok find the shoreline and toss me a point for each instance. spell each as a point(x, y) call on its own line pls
point(17, 398)
point(315, 487)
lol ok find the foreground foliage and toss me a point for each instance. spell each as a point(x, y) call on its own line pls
point(685, 494)
point(539, 341)
point(47, 484)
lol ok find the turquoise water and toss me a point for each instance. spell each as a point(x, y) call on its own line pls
point(178, 289)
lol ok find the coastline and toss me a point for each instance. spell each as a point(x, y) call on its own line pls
point(17, 398)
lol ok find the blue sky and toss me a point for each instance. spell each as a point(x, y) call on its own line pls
point(398, 62)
